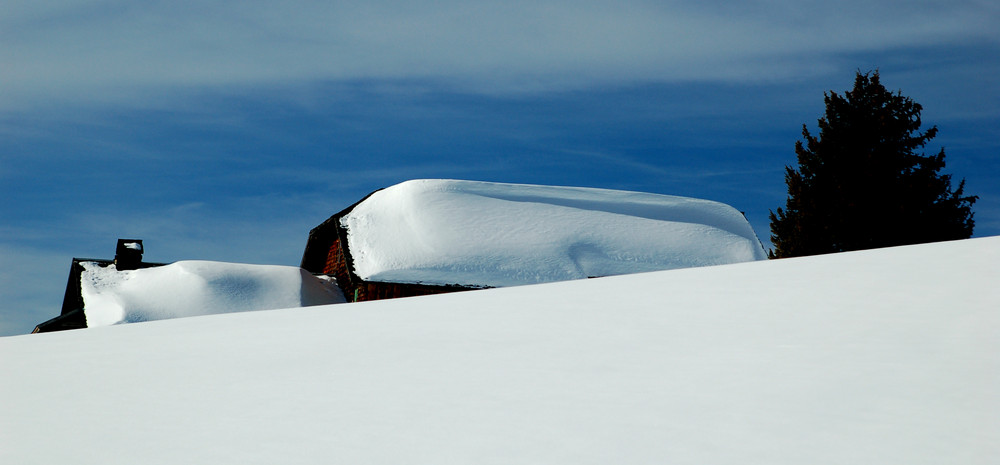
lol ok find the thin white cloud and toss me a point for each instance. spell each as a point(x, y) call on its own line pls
point(96, 49)
point(672, 173)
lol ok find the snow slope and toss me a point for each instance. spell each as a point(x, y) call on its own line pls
point(192, 288)
point(491, 234)
point(887, 356)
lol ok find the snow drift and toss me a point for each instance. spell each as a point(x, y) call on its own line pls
point(192, 288)
point(492, 234)
point(885, 357)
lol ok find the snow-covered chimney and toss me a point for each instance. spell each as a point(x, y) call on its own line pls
point(128, 254)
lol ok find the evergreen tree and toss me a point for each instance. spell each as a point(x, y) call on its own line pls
point(860, 184)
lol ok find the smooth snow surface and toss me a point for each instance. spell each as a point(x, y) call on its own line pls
point(491, 234)
point(192, 288)
point(880, 357)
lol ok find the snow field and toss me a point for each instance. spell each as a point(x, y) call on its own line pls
point(884, 356)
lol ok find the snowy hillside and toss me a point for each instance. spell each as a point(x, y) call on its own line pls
point(887, 357)
point(437, 231)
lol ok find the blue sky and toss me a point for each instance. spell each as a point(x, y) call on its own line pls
point(226, 130)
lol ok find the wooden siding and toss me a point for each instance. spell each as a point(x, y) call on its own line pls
point(336, 266)
point(370, 290)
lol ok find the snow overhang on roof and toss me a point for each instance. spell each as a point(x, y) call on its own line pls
point(449, 232)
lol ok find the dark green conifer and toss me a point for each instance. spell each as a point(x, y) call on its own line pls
point(861, 184)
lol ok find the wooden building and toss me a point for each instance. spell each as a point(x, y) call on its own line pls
point(128, 256)
point(327, 252)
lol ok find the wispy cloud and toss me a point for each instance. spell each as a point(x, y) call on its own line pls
point(99, 49)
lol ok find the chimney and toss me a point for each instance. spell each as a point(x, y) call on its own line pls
point(128, 254)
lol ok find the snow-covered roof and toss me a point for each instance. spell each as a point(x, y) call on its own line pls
point(192, 288)
point(492, 234)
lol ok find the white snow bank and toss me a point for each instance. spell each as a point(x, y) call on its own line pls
point(886, 356)
point(191, 288)
point(491, 234)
